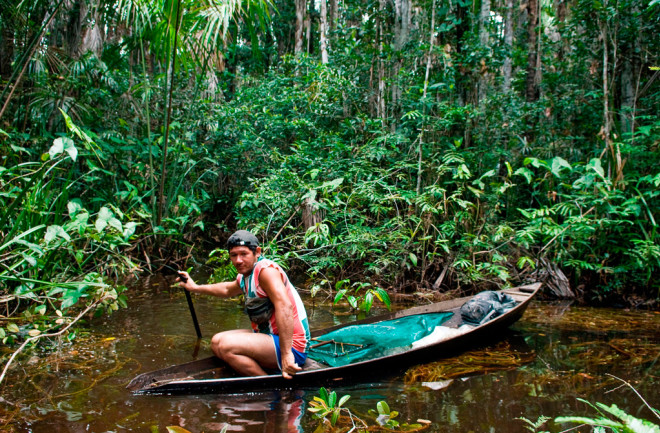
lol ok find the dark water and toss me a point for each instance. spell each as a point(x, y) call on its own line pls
point(556, 354)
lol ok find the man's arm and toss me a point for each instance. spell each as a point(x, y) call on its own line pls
point(271, 281)
point(221, 290)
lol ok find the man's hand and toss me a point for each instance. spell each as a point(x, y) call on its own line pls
point(186, 282)
point(289, 366)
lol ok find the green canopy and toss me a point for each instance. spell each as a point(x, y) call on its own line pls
point(356, 343)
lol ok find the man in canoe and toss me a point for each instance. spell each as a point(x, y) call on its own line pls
point(280, 331)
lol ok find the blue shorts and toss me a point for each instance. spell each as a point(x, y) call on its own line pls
point(298, 356)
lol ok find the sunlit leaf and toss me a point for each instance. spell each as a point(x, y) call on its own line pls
point(63, 144)
point(383, 408)
point(176, 429)
point(338, 296)
point(56, 231)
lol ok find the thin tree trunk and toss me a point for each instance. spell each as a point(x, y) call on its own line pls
point(615, 171)
point(308, 34)
point(484, 18)
point(628, 81)
point(427, 73)
point(6, 50)
point(301, 9)
point(334, 14)
point(402, 22)
point(163, 174)
point(484, 39)
point(531, 89)
point(380, 99)
point(508, 47)
point(627, 93)
point(323, 32)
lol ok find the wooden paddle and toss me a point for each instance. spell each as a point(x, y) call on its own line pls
point(191, 307)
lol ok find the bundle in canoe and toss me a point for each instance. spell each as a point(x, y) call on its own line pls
point(361, 348)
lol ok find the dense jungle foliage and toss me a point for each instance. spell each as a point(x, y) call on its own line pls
point(399, 144)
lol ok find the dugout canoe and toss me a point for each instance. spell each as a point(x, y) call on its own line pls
point(211, 375)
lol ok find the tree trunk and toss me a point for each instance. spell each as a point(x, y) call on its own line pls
point(616, 165)
point(562, 13)
point(484, 39)
point(301, 9)
point(6, 50)
point(531, 87)
point(312, 214)
point(627, 93)
point(93, 37)
point(401, 23)
point(508, 47)
point(629, 81)
point(427, 73)
point(380, 99)
point(334, 14)
point(74, 28)
point(309, 46)
point(323, 30)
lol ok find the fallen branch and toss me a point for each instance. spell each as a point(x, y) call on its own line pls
point(654, 411)
point(37, 337)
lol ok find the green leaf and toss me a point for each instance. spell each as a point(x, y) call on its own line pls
point(383, 408)
point(31, 260)
point(56, 148)
point(334, 418)
point(332, 399)
point(323, 393)
point(526, 173)
point(333, 184)
point(72, 296)
point(105, 218)
point(63, 144)
point(368, 302)
point(413, 259)
point(13, 328)
point(74, 206)
point(524, 260)
point(596, 166)
point(559, 163)
point(54, 231)
point(352, 301)
point(340, 294)
point(382, 295)
point(343, 400)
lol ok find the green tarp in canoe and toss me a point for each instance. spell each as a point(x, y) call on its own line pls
point(356, 343)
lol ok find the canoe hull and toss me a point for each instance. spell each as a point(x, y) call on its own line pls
point(158, 382)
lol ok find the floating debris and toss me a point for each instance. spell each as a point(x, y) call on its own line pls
point(499, 357)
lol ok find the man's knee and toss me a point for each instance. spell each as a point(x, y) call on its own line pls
point(219, 344)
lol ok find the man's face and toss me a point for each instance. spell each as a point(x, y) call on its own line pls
point(244, 259)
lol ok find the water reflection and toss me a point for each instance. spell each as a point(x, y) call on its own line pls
point(556, 354)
